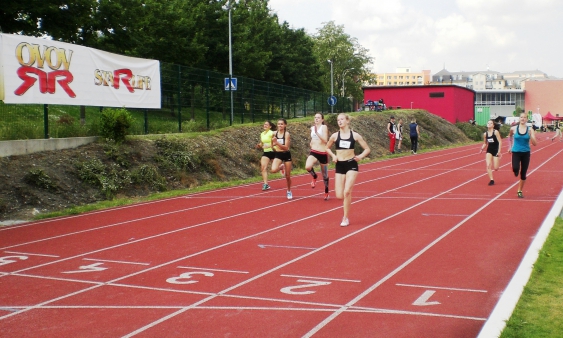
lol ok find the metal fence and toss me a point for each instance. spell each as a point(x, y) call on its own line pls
point(192, 100)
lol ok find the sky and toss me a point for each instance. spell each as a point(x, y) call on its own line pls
point(458, 35)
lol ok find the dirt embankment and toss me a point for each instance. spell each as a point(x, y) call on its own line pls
point(55, 180)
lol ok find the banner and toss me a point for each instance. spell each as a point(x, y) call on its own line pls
point(34, 70)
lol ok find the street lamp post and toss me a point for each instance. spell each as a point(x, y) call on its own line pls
point(331, 85)
point(343, 80)
point(229, 6)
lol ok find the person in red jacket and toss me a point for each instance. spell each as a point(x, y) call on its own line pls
point(391, 133)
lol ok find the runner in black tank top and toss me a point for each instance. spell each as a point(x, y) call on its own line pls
point(493, 142)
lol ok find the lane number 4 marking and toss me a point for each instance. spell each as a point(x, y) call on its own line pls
point(8, 259)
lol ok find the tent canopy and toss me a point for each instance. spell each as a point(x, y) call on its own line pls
point(549, 117)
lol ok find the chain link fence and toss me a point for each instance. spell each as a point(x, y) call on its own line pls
point(192, 100)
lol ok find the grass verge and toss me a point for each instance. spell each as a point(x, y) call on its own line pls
point(540, 308)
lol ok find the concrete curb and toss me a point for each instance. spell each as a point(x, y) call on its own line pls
point(24, 147)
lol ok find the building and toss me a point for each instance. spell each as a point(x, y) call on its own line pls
point(500, 92)
point(544, 96)
point(453, 103)
point(403, 77)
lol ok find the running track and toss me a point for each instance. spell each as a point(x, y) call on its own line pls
point(429, 252)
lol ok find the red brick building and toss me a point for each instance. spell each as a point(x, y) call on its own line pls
point(451, 102)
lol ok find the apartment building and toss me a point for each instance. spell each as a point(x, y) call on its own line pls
point(404, 76)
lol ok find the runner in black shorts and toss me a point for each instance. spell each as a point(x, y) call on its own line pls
point(282, 162)
point(523, 136)
point(493, 143)
point(268, 154)
point(346, 161)
point(319, 138)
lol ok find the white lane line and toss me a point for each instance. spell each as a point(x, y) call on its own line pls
point(207, 269)
point(30, 254)
point(447, 215)
point(324, 278)
point(197, 304)
point(262, 246)
point(58, 279)
point(413, 258)
point(111, 261)
point(439, 288)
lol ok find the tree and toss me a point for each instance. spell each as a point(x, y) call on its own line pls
point(349, 59)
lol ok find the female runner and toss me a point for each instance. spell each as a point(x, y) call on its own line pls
point(319, 138)
point(346, 161)
point(493, 142)
point(268, 154)
point(282, 161)
point(520, 149)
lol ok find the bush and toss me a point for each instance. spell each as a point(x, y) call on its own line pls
point(115, 124)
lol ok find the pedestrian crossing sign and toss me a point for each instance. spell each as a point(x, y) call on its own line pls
point(232, 84)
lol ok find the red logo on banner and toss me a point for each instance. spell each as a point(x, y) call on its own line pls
point(46, 80)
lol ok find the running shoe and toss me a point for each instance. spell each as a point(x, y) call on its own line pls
point(289, 195)
point(326, 196)
point(520, 195)
point(491, 182)
point(282, 170)
point(265, 187)
point(313, 182)
point(345, 222)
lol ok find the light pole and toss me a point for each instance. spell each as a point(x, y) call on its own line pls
point(229, 6)
point(331, 85)
point(343, 80)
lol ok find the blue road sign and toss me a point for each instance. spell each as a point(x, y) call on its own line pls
point(232, 85)
point(331, 100)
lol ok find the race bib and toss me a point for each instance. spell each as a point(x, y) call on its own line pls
point(281, 141)
point(490, 140)
point(344, 144)
point(267, 145)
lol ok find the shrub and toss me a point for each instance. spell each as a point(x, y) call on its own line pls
point(115, 124)
point(38, 178)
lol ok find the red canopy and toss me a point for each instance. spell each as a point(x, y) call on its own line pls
point(549, 117)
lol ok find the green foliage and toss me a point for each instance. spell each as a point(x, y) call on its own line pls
point(40, 179)
point(148, 174)
point(117, 153)
point(108, 178)
point(115, 124)
point(174, 152)
point(473, 132)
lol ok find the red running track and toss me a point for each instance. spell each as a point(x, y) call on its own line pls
point(429, 251)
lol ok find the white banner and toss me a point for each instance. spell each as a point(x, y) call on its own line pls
point(34, 70)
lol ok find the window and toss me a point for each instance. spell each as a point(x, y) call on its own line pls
point(437, 94)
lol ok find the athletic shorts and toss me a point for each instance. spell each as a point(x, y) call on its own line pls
point(284, 156)
point(321, 157)
point(269, 154)
point(342, 167)
point(493, 151)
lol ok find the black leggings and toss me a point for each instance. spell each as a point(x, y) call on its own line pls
point(414, 143)
point(520, 163)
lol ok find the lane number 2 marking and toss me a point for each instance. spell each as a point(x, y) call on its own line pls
point(88, 268)
point(309, 284)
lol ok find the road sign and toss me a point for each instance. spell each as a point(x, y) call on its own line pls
point(331, 100)
point(232, 85)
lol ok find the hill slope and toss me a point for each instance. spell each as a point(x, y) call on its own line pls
point(55, 180)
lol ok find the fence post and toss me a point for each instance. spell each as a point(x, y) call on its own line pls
point(46, 120)
point(179, 98)
point(252, 102)
point(146, 121)
point(207, 99)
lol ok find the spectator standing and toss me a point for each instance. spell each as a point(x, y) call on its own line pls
point(391, 134)
point(557, 131)
point(399, 134)
point(414, 133)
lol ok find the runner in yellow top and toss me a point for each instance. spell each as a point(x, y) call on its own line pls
point(268, 154)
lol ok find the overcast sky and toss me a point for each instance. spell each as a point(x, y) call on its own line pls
point(463, 35)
